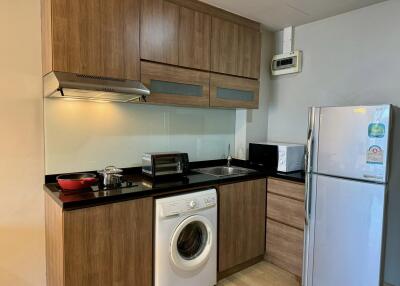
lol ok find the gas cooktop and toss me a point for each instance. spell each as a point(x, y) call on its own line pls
point(100, 187)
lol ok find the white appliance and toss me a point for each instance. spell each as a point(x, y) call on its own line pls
point(352, 203)
point(290, 157)
point(284, 157)
point(186, 240)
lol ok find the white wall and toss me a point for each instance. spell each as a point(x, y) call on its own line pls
point(84, 136)
point(22, 253)
point(349, 59)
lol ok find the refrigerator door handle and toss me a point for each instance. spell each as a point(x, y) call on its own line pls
point(310, 141)
point(307, 202)
point(308, 163)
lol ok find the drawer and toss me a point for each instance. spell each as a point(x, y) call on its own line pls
point(176, 86)
point(285, 210)
point(286, 188)
point(284, 247)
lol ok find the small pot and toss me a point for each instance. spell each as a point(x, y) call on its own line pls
point(111, 176)
point(76, 182)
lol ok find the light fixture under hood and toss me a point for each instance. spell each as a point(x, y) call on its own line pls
point(76, 86)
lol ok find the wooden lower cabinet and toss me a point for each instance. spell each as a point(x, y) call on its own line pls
point(241, 231)
point(284, 247)
point(106, 245)
point(292, 190)
point(233, 92)
point(285, 210)
point(285, 224)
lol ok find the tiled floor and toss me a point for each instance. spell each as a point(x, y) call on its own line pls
point(261, 274)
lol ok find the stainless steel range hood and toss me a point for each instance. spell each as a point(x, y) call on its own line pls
point(76, 86)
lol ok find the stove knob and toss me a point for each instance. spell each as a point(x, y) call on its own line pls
point(192, 204)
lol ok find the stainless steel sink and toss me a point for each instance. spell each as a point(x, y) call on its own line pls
point(224, 171)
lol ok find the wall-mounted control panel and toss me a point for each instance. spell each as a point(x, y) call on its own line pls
point(287, 63)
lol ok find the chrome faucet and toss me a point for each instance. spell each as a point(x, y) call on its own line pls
point(229, 158)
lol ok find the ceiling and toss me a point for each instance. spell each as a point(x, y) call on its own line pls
point(277, 14)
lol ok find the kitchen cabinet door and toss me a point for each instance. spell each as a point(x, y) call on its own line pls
point(159, 32)
point(286, 188)
point(285, 210)
point(249, 52)
point(91, 37)
point(224, 46)
point(233, 92)
point(109, 245)
point(284, 247)
point(176, 86)
point(194, 39)
point(285, 224)
point(241, 223)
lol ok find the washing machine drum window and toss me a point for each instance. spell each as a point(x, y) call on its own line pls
point(191, 243)
point(192, 240)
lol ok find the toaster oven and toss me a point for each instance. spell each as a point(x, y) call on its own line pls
point(164, 164)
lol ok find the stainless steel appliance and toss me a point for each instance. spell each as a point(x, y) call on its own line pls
point(281, 157)
point(112, 177)
point(77, 86)
point(162, 164)
point(352, 206)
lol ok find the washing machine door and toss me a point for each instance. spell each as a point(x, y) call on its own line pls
point(191, 243)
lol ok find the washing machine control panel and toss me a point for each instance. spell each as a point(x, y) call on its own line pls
point(181, 206)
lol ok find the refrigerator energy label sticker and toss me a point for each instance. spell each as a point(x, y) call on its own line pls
point(375, 155)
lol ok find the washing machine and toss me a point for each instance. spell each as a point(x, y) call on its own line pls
point(186, 240)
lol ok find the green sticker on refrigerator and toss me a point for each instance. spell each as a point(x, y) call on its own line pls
point(376, 130)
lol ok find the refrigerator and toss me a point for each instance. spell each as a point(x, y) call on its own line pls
point(352, 205)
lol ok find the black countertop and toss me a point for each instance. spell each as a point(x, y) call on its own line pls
point(145, 187)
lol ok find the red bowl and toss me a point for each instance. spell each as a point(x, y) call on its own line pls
point(76, 182)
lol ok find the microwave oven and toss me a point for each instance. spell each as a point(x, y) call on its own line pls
point(281, 157)
point(164, 164)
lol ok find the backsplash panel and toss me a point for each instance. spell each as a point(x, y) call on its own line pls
point(82, 136)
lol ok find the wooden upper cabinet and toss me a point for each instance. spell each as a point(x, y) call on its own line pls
point(249, 52)
point(235, 49)
point(233, 92)
point(159, 32)
point(91, 37)
point(194, 39)
point(224, 46)
point(176, 85)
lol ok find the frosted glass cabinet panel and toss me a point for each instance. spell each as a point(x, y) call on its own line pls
point(233, 92)
point(176, 86)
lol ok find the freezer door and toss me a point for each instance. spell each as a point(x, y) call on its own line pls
point(348, 226)
point(352, 142)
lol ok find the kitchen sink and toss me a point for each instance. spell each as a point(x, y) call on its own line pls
point(225, 171)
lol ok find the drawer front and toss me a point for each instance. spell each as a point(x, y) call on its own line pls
point(285, 210)
point(176, 86)
point(286, 188)
point(233, 92)
point(284, 247)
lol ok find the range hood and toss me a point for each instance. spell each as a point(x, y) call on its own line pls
point(83, 87)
